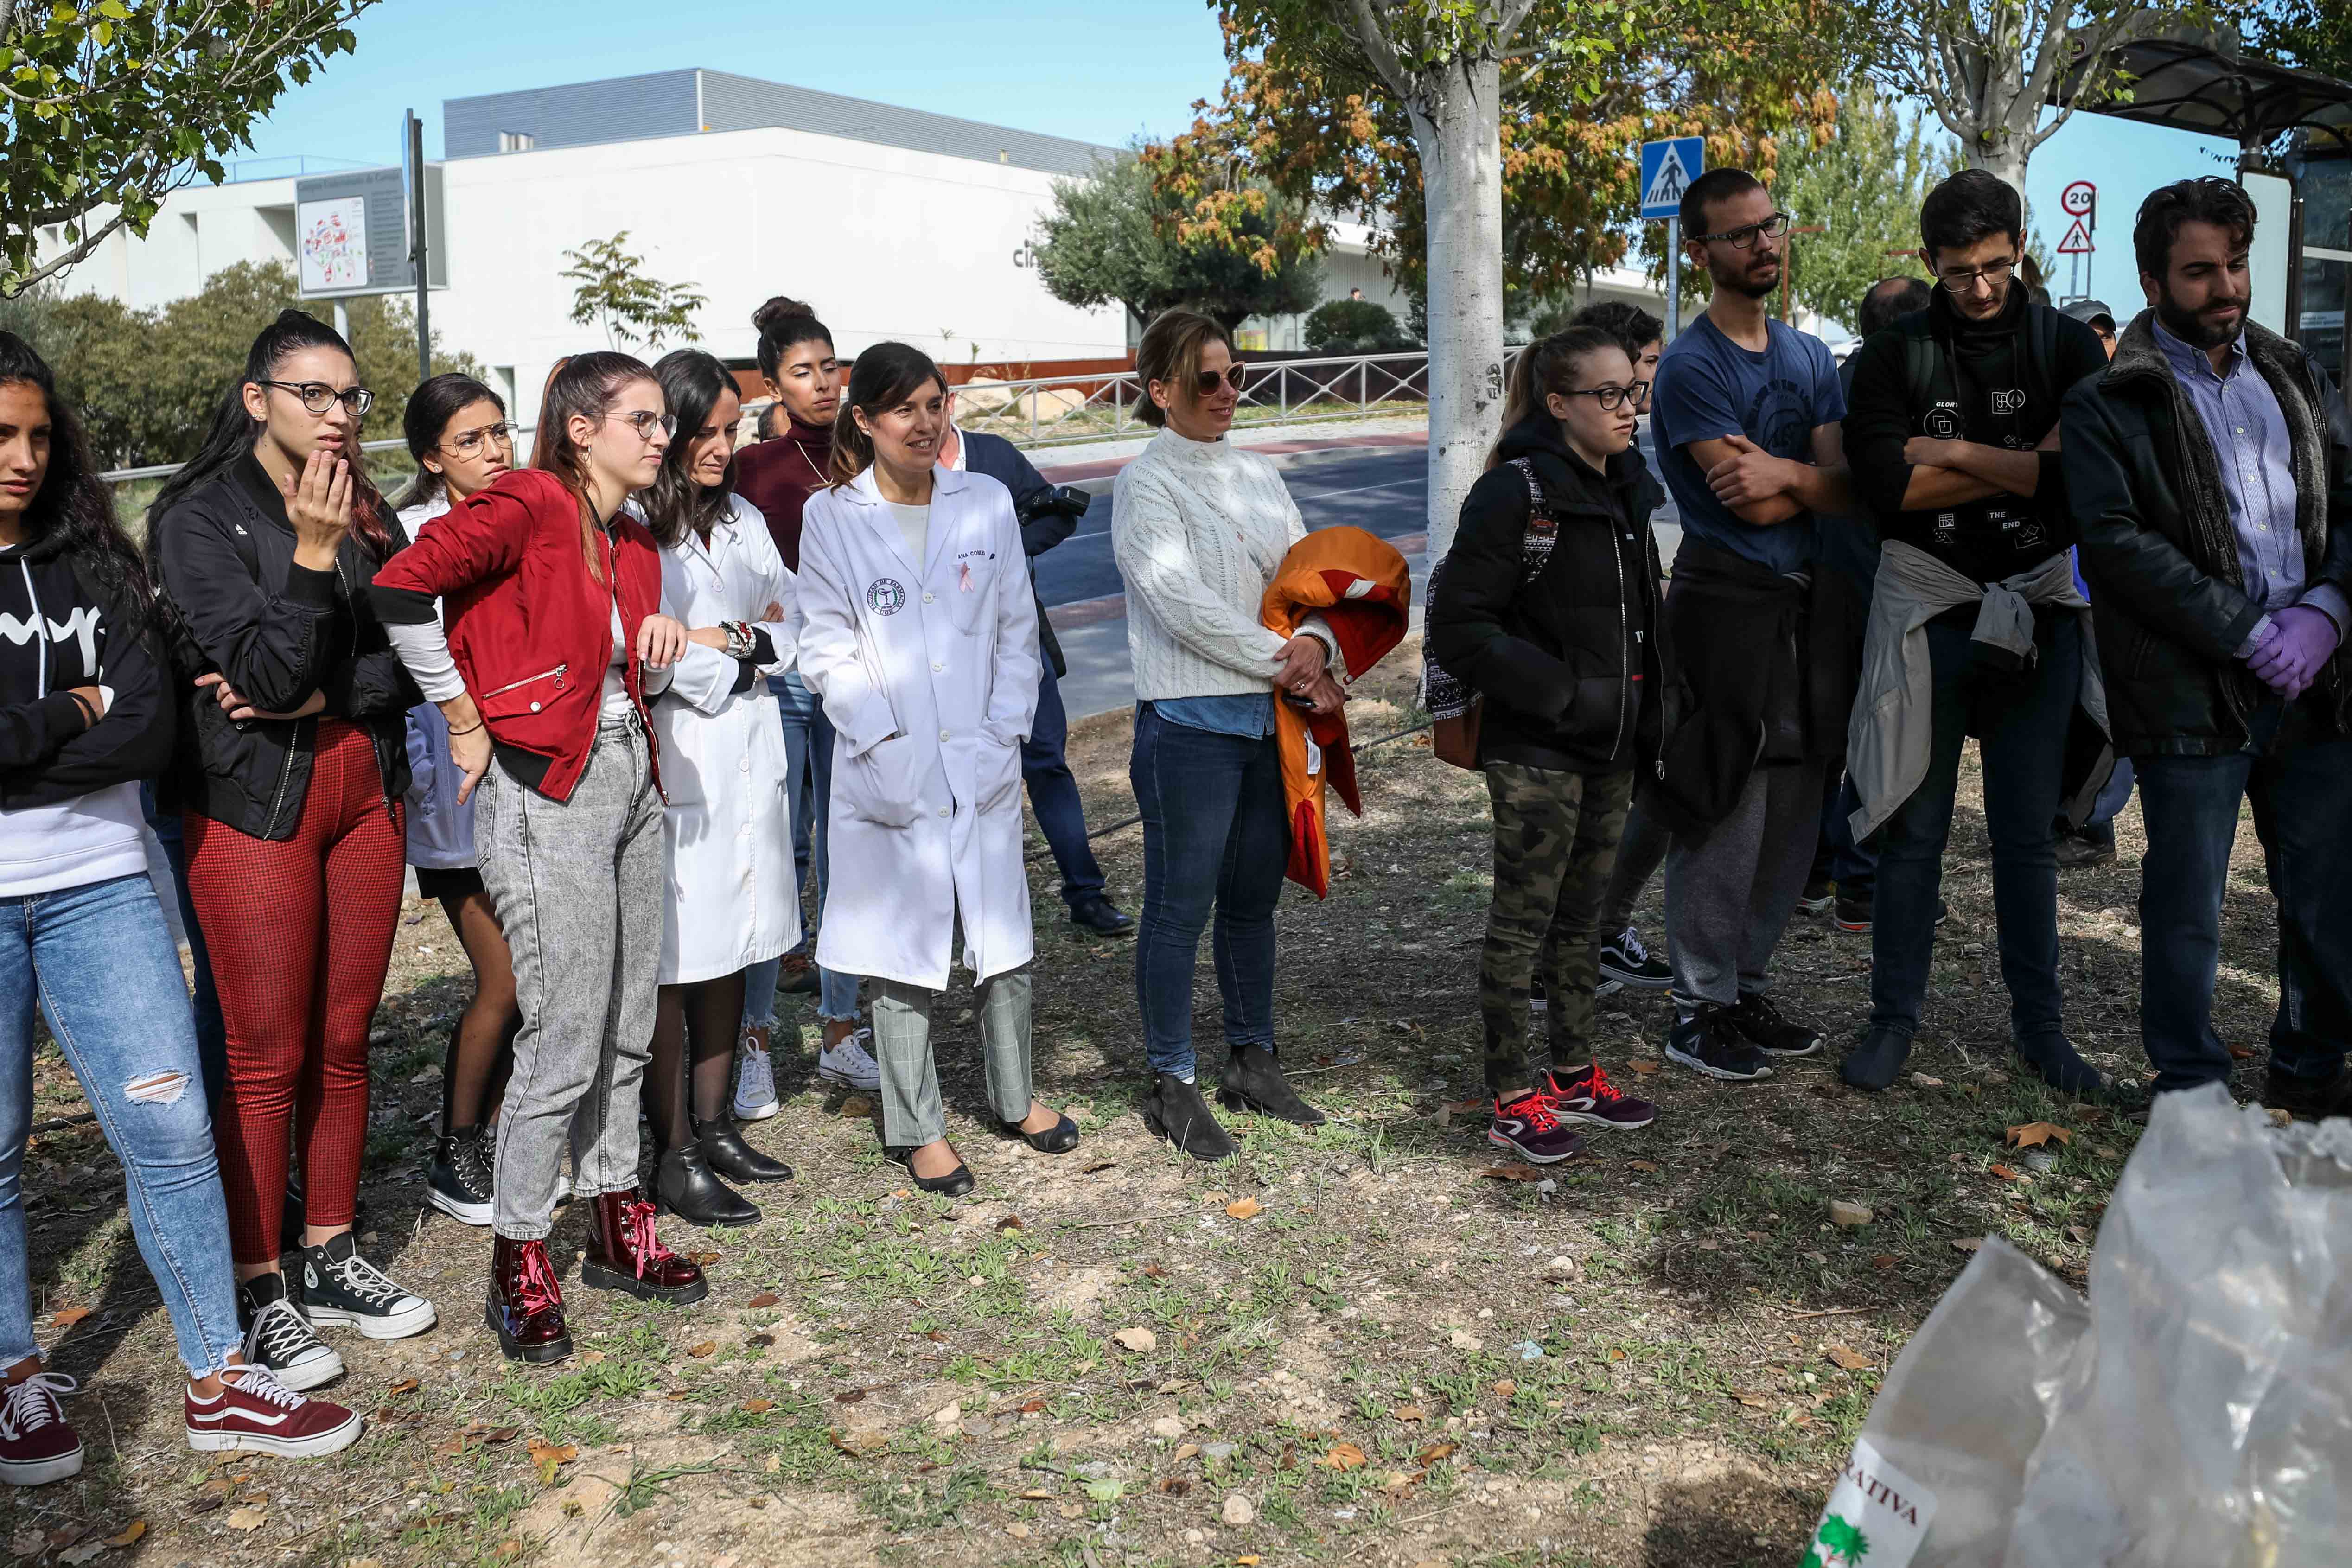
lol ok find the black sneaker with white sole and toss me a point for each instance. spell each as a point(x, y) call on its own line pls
point(458, 1183)
point(279, 1337)
point(1765, 1026)
point(1706, 1042)
point(338, 1285)
point(1625, 959)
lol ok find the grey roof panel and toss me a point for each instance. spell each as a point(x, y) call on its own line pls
point(631, 109)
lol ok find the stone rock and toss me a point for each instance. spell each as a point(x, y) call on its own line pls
point(1239, 1512)
point(1168, 1426)
point(1846, 1216)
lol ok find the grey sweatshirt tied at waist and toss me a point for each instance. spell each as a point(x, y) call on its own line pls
point(1892, 730)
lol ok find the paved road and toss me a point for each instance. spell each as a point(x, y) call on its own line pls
point(1382, 489)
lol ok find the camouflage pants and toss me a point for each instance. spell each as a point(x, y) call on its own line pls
point(1555, 842)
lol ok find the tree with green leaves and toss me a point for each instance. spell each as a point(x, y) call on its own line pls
point(634, 310)
point(147, 382)
point(1116, 238)
point(1863, 188)
point(1429, 120)
point(112, 105)
point(2312, 35)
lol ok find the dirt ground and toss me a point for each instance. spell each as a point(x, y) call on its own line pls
point(1356, 1344)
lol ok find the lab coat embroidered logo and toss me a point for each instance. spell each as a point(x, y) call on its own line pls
point(885, 596)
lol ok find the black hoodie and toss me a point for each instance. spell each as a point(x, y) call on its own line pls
point(69, 811)
point(1561, 660)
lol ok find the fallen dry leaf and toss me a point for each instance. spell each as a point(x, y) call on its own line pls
point(1342, 1456)
point(246, 1519)
point(1010, 1222)
point(1512, 1173)
point(2242, 1053)
point(1924, 1080)
point(1030, 1406)
point(1849, 1358)
point(68, 1316)
point(130, 1535)
point(549, 1456)
point(405, 1385)
point(1505, 1388)
point(1642, 1164)
point(1071, 1510)
point(1099, 1166)
point(1171, 1486)
point(1243, 1208)
point(1153, 1271)
point(763, 1301)
point(707, 1257)
point(702, 1350)
point(1434, 1453)
point(1968, 1243)
point(1452, 1108)
point(849, 1397)
point(2004, 1172)
point(75, 1556)
point(859, 1441)
point(2032, 1134)
point(1138, 1339)
point(1884, 1260)
point(756, 1407)
point(1643, 1066)
point(1751, 1398)
point(1410, 1413)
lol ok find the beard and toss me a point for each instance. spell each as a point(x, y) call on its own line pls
point(1745, 281)
point(2199, 329)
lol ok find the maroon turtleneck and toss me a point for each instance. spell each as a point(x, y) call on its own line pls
point(778, 476)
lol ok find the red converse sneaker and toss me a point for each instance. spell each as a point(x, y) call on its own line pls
point(36, 1444)
point(1587, 1095)
point(257, 1414)
point(1527, 1128)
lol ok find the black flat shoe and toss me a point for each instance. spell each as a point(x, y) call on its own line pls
point(725, 1150)
point(1254, 1081)
point(1175, 1110)
point(954, 1185)
point(685, 1185)
point(1100, 917)
point(1058, 1139)
point(1877, 1062)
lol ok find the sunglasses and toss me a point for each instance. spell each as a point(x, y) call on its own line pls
point(1204, 382)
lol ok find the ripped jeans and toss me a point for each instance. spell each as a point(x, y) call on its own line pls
point(102, 963)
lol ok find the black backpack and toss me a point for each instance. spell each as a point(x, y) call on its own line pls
point(1928, 374)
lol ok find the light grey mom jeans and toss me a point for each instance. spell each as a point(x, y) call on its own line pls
point(577, 885)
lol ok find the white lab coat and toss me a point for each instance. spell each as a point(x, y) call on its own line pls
point(728, 829)
point(928, 673)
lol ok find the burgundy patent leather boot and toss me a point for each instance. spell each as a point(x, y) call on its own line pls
point(526, 1305)
point(625, 1254)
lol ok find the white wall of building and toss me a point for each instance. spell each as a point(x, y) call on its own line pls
point(885, 242)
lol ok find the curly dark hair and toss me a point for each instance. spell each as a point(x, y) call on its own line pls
point(2212, 199)
point(692, 383)
point(73, 504)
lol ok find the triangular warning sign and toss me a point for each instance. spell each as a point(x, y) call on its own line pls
point(2077, 241)
point(1666, 186)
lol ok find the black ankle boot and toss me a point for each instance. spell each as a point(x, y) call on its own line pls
point(1875, 1063)
point(1175, 1110)
point(1254, 1081)
point(686, 1186)
point(725, 1150)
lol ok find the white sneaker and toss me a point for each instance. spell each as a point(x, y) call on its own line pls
point(851, 1062)
point(755, 1082)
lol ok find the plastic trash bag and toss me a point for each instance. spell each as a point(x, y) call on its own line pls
point(2196, 1411)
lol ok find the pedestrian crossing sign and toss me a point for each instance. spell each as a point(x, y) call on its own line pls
point(1668, 168)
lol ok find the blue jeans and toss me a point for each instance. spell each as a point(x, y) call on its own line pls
point(2301, 789)
point(212, 1030)
point(2021, 720)
point(1838, 859)
point(1054, 795)
point(808, 767)
point(101, 960)
point(2113, 797)
point(1214, 836)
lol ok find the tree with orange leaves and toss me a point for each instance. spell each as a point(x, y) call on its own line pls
point(1486, 143)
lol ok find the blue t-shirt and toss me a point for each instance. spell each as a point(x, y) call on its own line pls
point(1709, 387)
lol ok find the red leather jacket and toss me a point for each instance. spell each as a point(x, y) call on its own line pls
point(530, 626)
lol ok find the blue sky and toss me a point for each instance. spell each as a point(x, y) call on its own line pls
point(1100, 70)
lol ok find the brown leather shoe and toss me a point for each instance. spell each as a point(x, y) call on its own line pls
point(526, 1305)
point(624, 1253)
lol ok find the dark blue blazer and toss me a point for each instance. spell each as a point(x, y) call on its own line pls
point(1003, 461)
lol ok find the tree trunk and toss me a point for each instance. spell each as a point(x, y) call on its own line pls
point(1461, 146)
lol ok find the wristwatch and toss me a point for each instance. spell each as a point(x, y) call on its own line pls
point(740, 643)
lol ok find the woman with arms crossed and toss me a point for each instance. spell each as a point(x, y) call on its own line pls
point(555, 645)
point(919, 636)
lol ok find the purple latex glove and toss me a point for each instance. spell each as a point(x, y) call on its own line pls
point(2301, 643)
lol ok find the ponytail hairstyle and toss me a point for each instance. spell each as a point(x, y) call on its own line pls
point(235, 433)
point(785, 323)
point(1546, 366)
point(885, 377)
point(582, 386)
point(692, 382)
point(73, 505)
point(430, 408)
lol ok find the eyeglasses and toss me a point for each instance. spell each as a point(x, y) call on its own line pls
point(1204, 383)
point(468, 443)
point(1743, 237)
point(318, 396)
point(1965, 279)
point(644, 420)
point(1612, 398)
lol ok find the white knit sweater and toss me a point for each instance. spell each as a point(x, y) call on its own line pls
point(1199, 529)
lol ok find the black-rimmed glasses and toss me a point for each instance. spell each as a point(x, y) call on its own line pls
point(1612, 398)
point(318, 396)
point(644, 421)
point(468, 443)
point(1964, 281)
point(1743, 237)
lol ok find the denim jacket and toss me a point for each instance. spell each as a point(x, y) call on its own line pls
point(440, 831)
